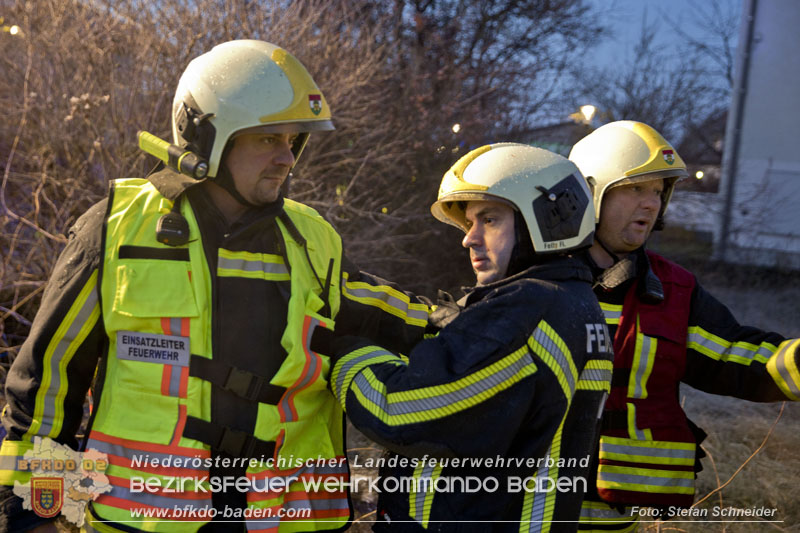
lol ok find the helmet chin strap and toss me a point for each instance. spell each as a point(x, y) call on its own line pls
point(613, 256)
point(225, 180)
point(523, 255)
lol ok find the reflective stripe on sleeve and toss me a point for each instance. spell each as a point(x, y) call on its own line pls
point(387, 299)
point(430, 403)
point(351, 364)
point(553, 351)
point(720, 349)
point(48, 413)
point(783, 368)
point(596, 375)
point(538, 506)
point(10, 454)
point(647, 451)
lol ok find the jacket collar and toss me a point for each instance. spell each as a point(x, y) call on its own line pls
point(561, 268)
point(636, 265)
point(171, 184)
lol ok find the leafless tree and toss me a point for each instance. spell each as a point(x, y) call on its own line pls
point(674, 88)
point(83, 76)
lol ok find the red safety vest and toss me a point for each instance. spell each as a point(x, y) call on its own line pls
point(647, 450)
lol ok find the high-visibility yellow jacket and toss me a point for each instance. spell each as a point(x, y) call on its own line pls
point(667, 329)
point(204, 359)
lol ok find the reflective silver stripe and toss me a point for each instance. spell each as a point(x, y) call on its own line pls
point(739, 350)
point(560, 357)
point(440, 401)
point(632, 427)
point(253, 266)
point(80, 322)
point(345, 368)
point(788, 350)
point(322, 503)
point(539, 500)
point(422, 486)
point(157, 500)
point(152, 456)
point(175, 381)
point(612, 316)
point(383, 295)
point(595, 374)
point(175, 327)
point(261, 524)
point(9, 462)
point(313, 362)
point(339, 467)
point(257, 480)
point(725, 349)
point(664, 453)
point(647, 479)
point(642, 367)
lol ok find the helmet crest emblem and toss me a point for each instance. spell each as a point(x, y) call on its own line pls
point(669, 156)
point(315, 103)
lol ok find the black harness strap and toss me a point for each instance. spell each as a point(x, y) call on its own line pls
point(240, 382)
point(228, 440)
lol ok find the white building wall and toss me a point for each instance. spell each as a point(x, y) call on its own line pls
point(760, 219)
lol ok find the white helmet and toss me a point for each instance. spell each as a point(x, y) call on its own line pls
point(245, 86)
point(547, 189)
point(624, 152)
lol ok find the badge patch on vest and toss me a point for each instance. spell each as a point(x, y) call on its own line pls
point(152, 348)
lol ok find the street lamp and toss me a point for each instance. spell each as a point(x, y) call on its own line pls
point(588, 111)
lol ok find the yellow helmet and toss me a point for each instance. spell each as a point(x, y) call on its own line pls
point(245, 86)
point(624, 152)
point(547, 189)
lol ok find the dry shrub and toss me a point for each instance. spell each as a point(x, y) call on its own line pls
point(85, 75)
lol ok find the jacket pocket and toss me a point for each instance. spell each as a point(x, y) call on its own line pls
point(151, 300)
point(149, 289)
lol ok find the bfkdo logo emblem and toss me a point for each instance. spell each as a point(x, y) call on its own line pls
point(315, 103)
point(47, 495)
point(669, 156)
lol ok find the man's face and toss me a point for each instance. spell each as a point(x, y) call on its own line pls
point(490, 239)
point(627, 215)
point(259, 164)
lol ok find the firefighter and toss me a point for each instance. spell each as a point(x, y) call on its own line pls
point(667, 329)
point(514, 380)
point(192, 302)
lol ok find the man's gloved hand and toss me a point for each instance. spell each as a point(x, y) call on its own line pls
point(326, 342)
point(446, 311)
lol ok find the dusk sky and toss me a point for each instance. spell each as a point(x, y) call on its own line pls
point(626, 17)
